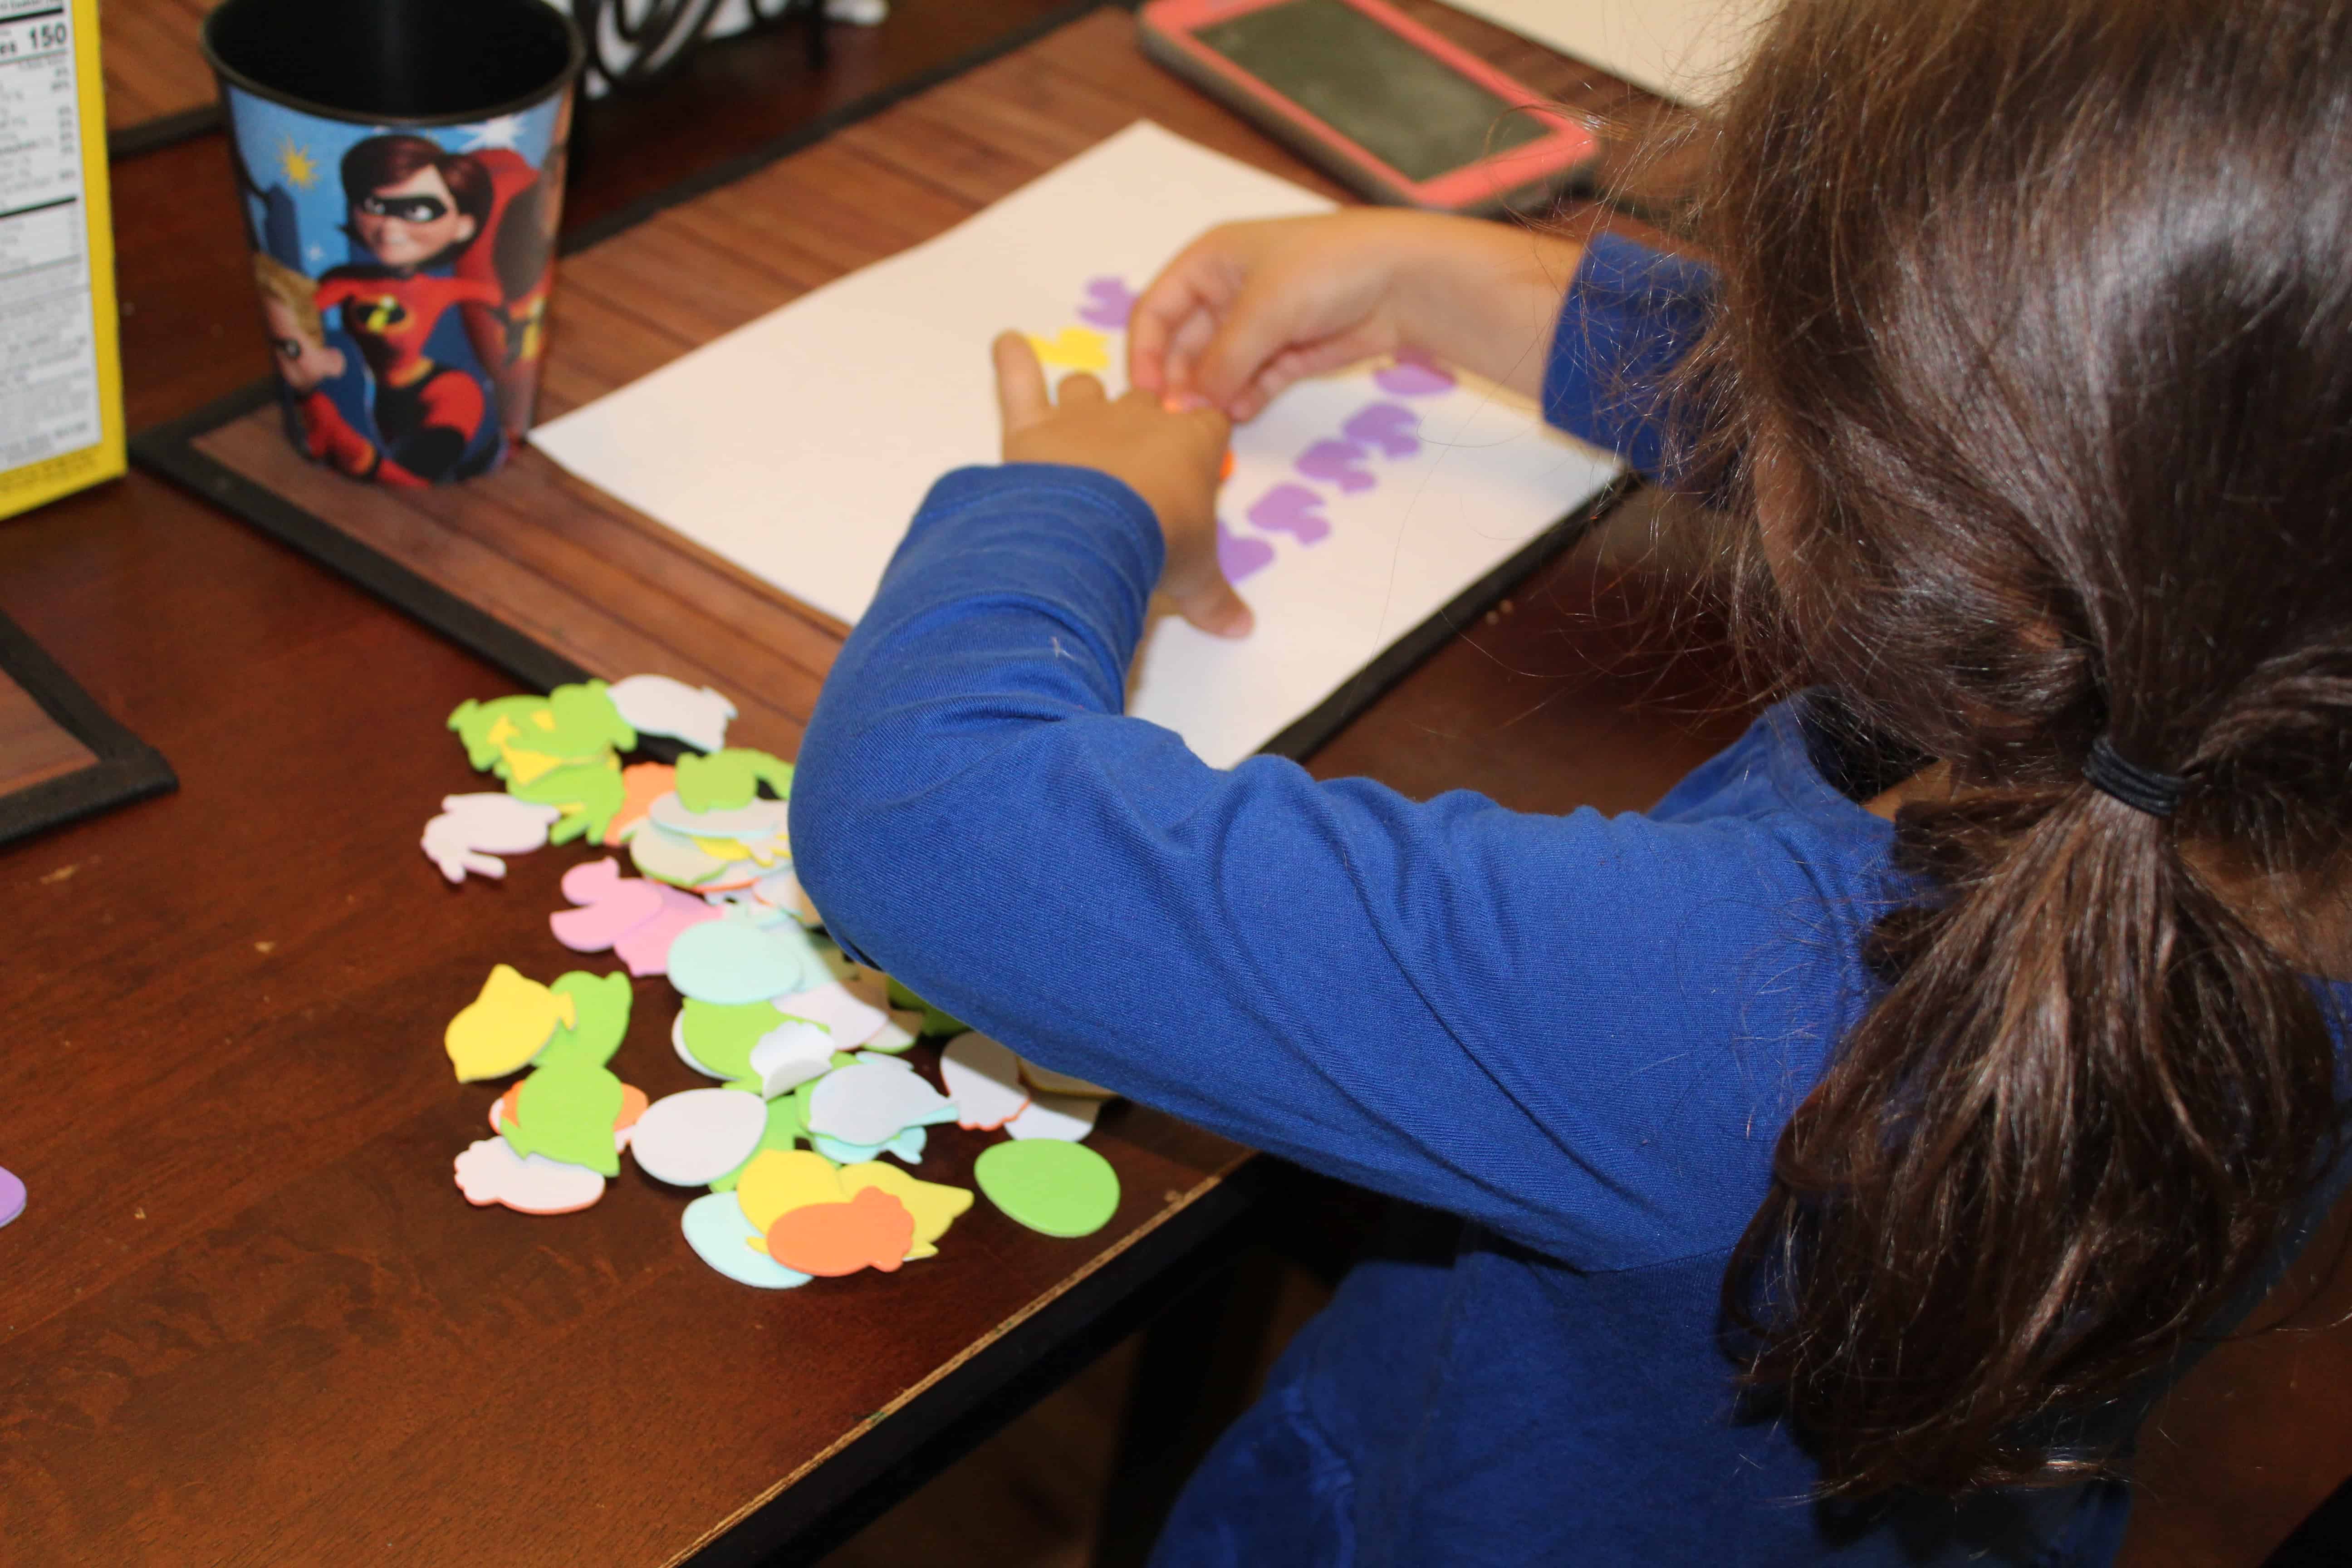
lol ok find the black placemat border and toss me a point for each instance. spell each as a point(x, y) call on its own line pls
point(127, 769)
point(163, 131)
point(169, 450)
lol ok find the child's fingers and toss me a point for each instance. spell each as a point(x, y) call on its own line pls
point(1189, 286)
point(1022, 399)
point(1080, 388)
point(1185, 350)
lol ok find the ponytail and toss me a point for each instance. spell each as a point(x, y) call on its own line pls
point(2062, 1141)
point(2033, 355)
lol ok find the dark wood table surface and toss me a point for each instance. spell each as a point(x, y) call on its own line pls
point(246, 1318)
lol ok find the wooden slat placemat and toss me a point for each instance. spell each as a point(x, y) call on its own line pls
point(158, 86)
point(551, 577)
point(62, 757)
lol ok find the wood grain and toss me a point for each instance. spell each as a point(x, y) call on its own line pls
point(153, 64)
point(538, 551)
point(245, 1318)
point(33, 747)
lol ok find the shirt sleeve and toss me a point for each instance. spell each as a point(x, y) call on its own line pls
point(1504, 1015)
point(1630, 313)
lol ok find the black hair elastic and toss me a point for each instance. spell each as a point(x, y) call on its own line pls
point(2142, 789)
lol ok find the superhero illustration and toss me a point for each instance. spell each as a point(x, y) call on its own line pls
point(429, 254)
point(415, 205)
point(308, 363)
point(516, 251)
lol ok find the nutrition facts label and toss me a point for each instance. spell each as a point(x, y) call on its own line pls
point(48, 350)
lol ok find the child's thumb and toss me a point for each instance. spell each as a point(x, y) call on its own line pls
point(1216, 609)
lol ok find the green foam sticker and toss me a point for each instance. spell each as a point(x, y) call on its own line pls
point(566, 1113)
point(601, 1003)
point(478, 724)
point(589, 794)
point(1060, 1189)
point(725, 780)
point(571, 724)
point(585, 722)
point(721, 1034)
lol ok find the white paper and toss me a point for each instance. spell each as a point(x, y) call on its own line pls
point(800, 444)
point(1689, 50)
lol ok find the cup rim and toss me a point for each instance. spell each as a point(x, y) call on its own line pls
point(576, 60)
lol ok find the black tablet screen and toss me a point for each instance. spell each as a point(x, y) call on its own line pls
point(1415, 114)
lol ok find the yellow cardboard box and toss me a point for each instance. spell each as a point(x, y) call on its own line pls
point(60, 367)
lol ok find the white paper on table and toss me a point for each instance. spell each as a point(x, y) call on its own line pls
point(799, 445)
point(1687, 50)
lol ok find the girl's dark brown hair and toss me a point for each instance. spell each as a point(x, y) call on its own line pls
point(2036, 342)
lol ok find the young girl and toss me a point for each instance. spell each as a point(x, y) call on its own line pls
point(1852, 1147)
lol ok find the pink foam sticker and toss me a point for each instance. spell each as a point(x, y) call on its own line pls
point(490, 1172)
point(1064, 1117)
point(791, 1054)
point(474, 830)
point(783, 890)
point(657, 705)
point(11, 1197)
point(611, 905)
point(983, 1077)
point(851, 1019)
point(644, 947)
point(694, 1136)
point(873, 1100)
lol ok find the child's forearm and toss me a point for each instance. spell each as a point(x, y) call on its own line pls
point(1482, 296)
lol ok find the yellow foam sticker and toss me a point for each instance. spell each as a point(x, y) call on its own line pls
point(501, 1029)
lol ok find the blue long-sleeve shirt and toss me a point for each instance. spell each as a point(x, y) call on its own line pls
point(1580, 1033)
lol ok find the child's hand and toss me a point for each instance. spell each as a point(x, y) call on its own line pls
point(1249, 308)
point(1173, 460)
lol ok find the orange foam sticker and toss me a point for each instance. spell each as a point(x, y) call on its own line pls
point(642, 783)
point(872, 1230)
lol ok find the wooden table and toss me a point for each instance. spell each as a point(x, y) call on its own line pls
point(245, 1318)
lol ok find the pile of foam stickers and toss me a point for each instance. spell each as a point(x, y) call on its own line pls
point(803, 1042)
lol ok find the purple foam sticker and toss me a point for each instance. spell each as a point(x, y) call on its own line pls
point(1108, 303)
point(1415, 374)
point(1238, 555)
point(1340, 463)
point(1390, 428)
point(1291, 509)
point(11, 1197)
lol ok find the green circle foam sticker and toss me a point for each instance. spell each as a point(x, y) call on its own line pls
point(1061, 1189)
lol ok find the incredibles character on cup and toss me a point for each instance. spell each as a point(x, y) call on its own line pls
point(414, 207)
point(308, 365)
